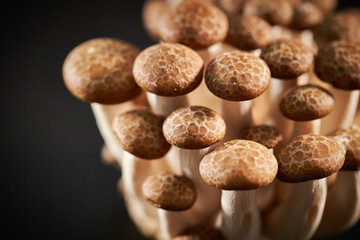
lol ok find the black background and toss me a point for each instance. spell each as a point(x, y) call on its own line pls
point(53, 183)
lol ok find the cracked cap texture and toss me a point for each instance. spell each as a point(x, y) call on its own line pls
point(310, 157)
point(100, 70)
point(201, 232)
point(194, 127)
point(168, 69)
point(194, 23)
point(140, 133)
point(287, 58)
point(237, 76)
point(169, 191)
point(306, 103)
point(239, 165)
point(263, 134)
point(350, 139)
point(338, 63)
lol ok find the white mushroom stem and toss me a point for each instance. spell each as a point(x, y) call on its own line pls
point(172, 223)
point(165, 105)
point(237, 116)
point(300, 215)
point(265, 195)
point(342, 209)
point(344, 110)
point(240, 215)
point(306, 127)
point(207, 202)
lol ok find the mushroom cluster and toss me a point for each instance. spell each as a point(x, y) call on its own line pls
point(241, 123)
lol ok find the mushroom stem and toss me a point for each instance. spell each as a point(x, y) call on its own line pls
point(172, 223)
point(237, 116)
point(306, 127)
point(300, 215)
point(165, 105)
point(240, 215)
point(344, 111)
point(342, 209)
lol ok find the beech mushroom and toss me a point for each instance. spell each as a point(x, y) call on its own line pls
point(139, 132)
point(167, 72)
point(193, 131)
point(99, 71)
point(326, 6)
point(306, 15)
point(338, 63)
point(342, 208)
point(306, 105)
point(287, 60)
point(238, 167)
point(305, 161)
point(203, 231)
point(172, 195)
point(237, 77)
point(270, 138)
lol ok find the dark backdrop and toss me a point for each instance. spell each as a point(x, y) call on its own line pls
point(53, 183)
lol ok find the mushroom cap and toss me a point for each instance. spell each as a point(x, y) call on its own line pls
point(169, 191)
point(306, 103)
point(100, 70)
point(306, 15)
point(248, 32)
point(350, 139)
point(194, 127)
point(194, 23)
point(276, 12)
point(324, 5)
point(239, 165)
point(338, 63)
point(309, 157)
point(200, 232)
point(168, 69)
point(340, 26)
point(264, 134)
point(287, 58)
point(140, 133)
point(237, 76)
point(153, 13)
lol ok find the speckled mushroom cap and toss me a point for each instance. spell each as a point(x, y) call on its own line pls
point(264, 134)
point(100, 70)
point(237, 76)
point(350, 139)
point(194, 127)
point(325, 6)
point(194, 23)
point(287, 58)
point(306, 15)
point(168, 69)
point(309, 157)
point(306, 103)
point(248, 32)
point(276, 12)
point(338, 63)
point(169, 191)
point(140, 133)
point(201, 232)
point(239, 165)
point(340, 26)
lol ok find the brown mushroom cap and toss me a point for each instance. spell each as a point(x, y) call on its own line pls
point(324, 5)
point(263, 134)
point(239, 165)
point(338, 63)
point(310, 157)
point(341, 26)
point(248, 32)
point(194, 127)
point(237, 76)
point(140, 133)
point(306, 15)
point(194, 23)
point(276, 12)
point(153, 13)
point(168, 69)
point(169, 191)
point(350, 139)
point(201, 232)
point(306, 103)
point(287, 58)
point(100, 70)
